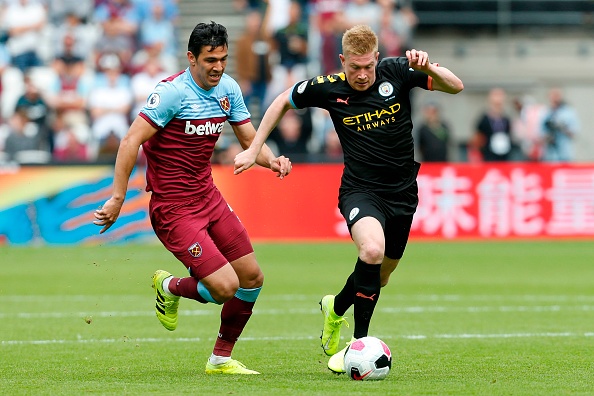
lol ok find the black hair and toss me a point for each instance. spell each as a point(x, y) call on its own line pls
point(212, 34)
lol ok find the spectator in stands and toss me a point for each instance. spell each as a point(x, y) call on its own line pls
point(292, 134)
point(68, 61)
point(24, 20)
point(397, 23)
point(170, 9)
point(110, 102)
point(61, 10)
point(74, 37)
point(69, 92)
point(362, 12)
point(390, 42)
point(25, 142)
point(247, 5)
point(291, 44)
point(403, 20)
point(290, 48)
point(560, 126)
point(119, 20)
point(433, 135)
point(278, 15)
point(252, 55)
point(36, 109)
point(327, 19)
point(527, 128)
point(143, 83)
point(4, 63)
point(71, 141)
point(332, 147)
point(157, 38)
point(492, 137)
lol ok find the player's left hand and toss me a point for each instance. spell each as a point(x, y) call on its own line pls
point(282, 166)
point(418, 60)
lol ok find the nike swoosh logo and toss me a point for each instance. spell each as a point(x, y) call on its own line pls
point(358, 377)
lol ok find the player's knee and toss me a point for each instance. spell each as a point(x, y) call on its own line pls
point(253, 281)
point(225, 292)
point(371, 253)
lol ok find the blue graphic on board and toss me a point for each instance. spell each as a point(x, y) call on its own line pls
point(67, 217)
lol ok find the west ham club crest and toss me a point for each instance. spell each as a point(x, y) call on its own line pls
point(195, 250)
point(225, 104)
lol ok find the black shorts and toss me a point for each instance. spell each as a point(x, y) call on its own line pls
point(394, 213)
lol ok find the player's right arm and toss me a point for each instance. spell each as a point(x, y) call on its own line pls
point(274, 113)
point(140, 131)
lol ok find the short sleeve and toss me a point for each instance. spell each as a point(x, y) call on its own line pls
point(162, 104)
point(310, 93)
point(239, 111)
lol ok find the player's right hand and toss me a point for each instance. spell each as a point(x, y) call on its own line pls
point(107, 214)
point(281, 166)
point(245, 160)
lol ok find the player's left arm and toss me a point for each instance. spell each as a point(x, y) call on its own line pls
point(245, 134)
point(442, 79)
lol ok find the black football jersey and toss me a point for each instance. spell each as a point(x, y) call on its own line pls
point(374, 126)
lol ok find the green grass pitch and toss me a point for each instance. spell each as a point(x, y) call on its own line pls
point(461, 318)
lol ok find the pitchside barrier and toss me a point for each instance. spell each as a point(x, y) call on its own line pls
point(54, 205)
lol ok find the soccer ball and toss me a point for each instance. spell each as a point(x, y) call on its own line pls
point(368, 358)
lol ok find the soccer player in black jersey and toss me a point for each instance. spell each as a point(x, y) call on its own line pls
point(370, 107)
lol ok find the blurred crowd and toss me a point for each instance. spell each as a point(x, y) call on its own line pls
point(285, 41)
point(74, 73)
point(517, 128)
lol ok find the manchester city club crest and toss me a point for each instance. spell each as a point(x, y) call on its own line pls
point(385, 89)
point(225, 104)
point(195, 250)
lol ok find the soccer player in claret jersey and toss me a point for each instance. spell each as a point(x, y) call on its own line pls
point(178, 128)
point(370, 107)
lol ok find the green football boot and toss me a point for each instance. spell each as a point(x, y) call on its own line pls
point(231, 366)
point(332, 323)
point(166, 305)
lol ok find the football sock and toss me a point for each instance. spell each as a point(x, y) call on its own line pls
point(367, 285)
point(346, 297)
point(214, 359)
point(166, 286)
point(234, 316)
point(185, 287)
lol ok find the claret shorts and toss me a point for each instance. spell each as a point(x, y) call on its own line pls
point(203, 233)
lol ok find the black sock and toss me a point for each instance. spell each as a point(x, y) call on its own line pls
point(367, 285)
point(346, 297)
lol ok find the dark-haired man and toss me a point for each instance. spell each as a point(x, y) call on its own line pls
point(178, 128)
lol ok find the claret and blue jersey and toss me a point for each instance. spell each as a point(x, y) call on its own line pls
point(189, 120)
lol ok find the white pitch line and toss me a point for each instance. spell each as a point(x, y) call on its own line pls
point(311, 297)
point(310, 311)
point(298, 338)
